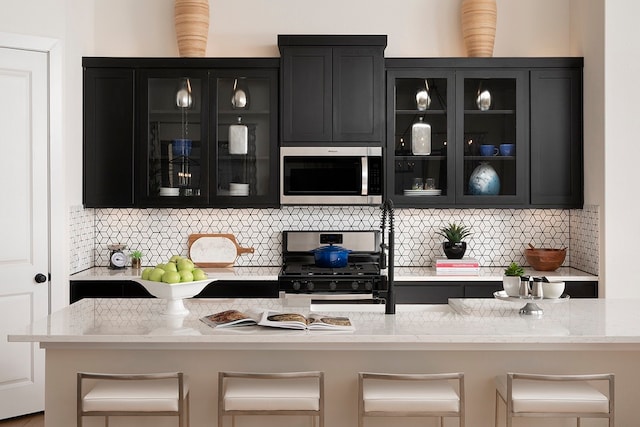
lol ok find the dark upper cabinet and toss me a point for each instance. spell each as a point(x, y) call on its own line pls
point(172, 167)
point(332, 89)
point(530, 124)
point(244, 139)
point(156, 132)
point(556, 138)
point(108, 140)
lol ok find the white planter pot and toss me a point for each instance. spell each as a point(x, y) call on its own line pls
point(511, 285)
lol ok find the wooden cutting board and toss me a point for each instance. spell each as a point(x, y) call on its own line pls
point(215, 250)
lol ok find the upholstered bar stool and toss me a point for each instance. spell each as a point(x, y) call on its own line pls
point(164, 394)
point(284, 393)
point(410, 395)
point(573, 396)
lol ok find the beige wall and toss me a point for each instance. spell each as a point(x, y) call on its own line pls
point(622, 148)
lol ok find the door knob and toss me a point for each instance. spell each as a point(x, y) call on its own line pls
point(40, 278)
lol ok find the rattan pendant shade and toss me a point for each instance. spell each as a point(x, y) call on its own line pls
point(192, 27)
point(479, 26)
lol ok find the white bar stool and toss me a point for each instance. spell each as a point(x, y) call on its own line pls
point(410, 395)
point(572, 396)
point(284, 393)
point(164, 394)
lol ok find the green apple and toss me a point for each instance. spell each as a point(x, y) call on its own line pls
point(199, 274)
point(171, 277)
point(186, 276)
point(185, 264)
point(146, 272)
point(170, 266)
point(160, 266)
point(156, 274)
point(175, 258)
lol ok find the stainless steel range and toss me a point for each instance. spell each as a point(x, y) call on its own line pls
point(363, 273)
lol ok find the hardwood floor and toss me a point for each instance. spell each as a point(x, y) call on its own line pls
point(33, 420)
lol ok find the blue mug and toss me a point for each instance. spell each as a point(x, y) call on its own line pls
point(488, 150)
point(507, 149)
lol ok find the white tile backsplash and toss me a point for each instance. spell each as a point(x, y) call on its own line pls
point(499, 235)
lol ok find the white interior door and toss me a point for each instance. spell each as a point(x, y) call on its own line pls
point(24, 233)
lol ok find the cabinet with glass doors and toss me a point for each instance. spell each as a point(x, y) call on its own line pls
point(245, 136)
point(173, 141)
point(420, 160)
point(457, 136)
point(492, 145)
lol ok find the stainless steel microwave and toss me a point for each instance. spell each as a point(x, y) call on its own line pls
point(331, 175)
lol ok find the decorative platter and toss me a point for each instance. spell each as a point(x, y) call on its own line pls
point(530, 308)
point(435, 192)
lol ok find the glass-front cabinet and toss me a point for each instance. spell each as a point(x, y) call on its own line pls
point(421, 129)
point(207, 137)
point(491, 137)
point(457, 137)
point(173, 142)
point(245, 137)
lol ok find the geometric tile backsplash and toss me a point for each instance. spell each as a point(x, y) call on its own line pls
point(499, 235)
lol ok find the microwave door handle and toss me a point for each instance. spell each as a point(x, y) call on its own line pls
point(365, 176)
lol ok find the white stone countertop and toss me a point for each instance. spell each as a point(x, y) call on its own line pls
point(600, 324)
point(401, 274)
point(232, 273)
point(422, 274)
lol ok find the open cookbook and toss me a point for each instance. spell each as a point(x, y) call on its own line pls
point(276, 319)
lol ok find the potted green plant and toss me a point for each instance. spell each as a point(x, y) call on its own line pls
point(136, 259)
point(454, 247)
point(511, 279)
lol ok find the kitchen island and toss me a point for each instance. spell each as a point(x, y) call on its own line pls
point(481, 337)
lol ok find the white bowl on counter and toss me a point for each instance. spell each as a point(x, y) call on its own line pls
point(174, 293)
point(552, 290)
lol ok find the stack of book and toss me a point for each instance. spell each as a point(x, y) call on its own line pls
point(457, 267)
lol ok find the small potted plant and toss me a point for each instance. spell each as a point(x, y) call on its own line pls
point(511, 279)
point(136, 259)
point(454, 247)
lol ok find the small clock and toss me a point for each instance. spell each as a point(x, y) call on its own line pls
point(117, 258)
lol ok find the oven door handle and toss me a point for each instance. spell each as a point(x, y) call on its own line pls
point(365, 176)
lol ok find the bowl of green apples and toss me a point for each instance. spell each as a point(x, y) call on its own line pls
point(174, 281)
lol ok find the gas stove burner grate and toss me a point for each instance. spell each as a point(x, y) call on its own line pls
point(349, 270)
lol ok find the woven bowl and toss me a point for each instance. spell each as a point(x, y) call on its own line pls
point(545, 259)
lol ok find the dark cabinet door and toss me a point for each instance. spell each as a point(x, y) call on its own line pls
point(306, 94)
point(358, 94)
point(244, 139)
point(332, 89)
point(556, 138)
point(172, 163)
point(421, 167)
point(108, 140)
point(492, 116)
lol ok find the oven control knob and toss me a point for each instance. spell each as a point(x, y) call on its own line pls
point(355, 285)
point(309, 286)
point(333, 285)
point(296, 286)
point(368, 285)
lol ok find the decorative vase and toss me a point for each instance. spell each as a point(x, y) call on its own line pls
point(479, 26)
point(484, 181)
point(192, 26)
point(454, 250)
